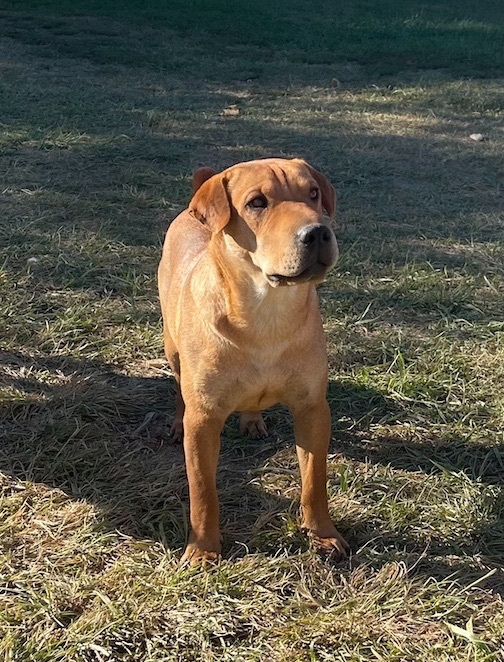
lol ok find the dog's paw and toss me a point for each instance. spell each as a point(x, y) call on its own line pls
point(333, 547)
point(253, 426)
point(195, 556)
point(176, 433)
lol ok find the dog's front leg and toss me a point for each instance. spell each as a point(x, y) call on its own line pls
point(201, 448)
point(312, 430)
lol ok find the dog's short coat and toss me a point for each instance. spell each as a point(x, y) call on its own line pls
point(242, 328)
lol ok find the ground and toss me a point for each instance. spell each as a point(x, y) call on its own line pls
point(105, 110)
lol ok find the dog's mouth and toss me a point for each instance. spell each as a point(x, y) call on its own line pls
point(315, 272)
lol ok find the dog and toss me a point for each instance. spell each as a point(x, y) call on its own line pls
point(242, 328)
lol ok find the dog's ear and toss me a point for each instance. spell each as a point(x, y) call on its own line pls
point(200, 176)
point(326, 189)
point(210, 203)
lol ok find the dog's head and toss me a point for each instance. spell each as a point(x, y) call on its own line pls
point(271, 212)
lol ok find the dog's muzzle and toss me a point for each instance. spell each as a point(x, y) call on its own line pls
point(317, 250)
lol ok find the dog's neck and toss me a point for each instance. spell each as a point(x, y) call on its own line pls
point(251, 305)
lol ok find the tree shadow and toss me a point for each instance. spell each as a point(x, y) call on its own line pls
point(384, 41)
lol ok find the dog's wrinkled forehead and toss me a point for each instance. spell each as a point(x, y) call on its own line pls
point(279, 179)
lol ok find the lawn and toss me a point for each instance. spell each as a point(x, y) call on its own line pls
point(105, 110)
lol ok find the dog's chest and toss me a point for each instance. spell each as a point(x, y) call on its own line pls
point(260, 384)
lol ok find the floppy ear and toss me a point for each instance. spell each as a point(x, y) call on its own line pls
point(326, 189)
point(210, 204)
point(200, 176)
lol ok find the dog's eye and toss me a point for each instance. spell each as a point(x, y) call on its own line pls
point(314, 193)
point(259, 202)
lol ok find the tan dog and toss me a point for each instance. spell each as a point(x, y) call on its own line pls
point(238, 338)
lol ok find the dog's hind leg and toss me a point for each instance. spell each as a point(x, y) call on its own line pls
point(252, 424)
point(176, 432)
point(177, 427)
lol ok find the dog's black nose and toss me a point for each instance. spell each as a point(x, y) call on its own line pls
point(314, 235)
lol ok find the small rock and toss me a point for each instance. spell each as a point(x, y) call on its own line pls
point(335, 83)
point(477, 137)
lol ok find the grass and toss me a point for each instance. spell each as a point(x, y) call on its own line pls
point(105, 109)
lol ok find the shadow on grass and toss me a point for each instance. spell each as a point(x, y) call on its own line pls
point(360, 404)
point(146, 130)
point(478, 461)
point(463, 36)
point(87, 435)
point(101, 436)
